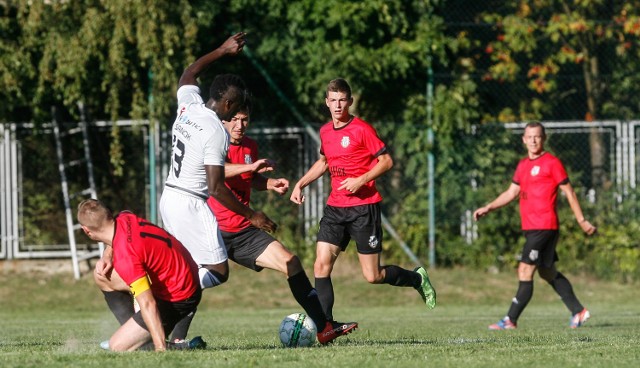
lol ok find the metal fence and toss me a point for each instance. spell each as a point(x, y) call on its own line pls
point(32, 212)
point(32, 225)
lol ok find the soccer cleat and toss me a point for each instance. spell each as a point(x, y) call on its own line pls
point(186, 344)
point(104, 345)
point(426, 290)
point(579, 319)
point(332, 330)
point(503, 324)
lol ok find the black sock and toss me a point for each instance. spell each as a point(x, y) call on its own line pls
point(182, 327)
point(397, 276)
point(523, 296)
point(120, 304)
point(563, 287)
point(307, 297)
point(324, 287)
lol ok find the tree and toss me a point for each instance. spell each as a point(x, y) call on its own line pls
point(548, 39)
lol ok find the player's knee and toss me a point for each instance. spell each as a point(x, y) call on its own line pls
point(321, 269)
point(373, 278)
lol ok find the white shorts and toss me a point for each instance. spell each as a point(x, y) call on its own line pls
point(191, 221)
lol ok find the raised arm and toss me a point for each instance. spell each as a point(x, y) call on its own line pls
point(503, 199)
point(232, 46)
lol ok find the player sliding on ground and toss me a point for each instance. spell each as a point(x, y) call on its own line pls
point(144, 260)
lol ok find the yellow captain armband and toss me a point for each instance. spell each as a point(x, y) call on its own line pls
point(140, 285)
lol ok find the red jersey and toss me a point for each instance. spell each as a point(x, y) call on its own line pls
point(244, 153)
point(141, 248)
point(351, 151)
point(539, 180)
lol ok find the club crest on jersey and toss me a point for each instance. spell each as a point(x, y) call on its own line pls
point(247, 159)
point(535, 170)
point(344, 142)
point(373, 242)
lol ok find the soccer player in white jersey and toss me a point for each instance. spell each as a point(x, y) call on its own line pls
point(199, 147)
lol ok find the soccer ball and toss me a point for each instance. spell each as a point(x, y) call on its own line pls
point(297, 330)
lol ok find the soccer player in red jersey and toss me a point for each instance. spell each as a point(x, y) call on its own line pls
point(143, 260)
point(355, 157)
point(536, 181)
point(253, 248)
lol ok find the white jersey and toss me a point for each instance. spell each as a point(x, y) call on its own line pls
point(198, 139)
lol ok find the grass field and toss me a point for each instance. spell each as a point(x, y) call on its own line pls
point(50, 320)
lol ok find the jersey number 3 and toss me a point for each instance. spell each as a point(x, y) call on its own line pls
point(178, 156)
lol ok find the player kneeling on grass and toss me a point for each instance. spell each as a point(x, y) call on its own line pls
point(143, 260)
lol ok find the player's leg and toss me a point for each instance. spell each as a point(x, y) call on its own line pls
point(530, 258)
point(326, 255)
point(191, 221)
point(520, 300)
point(562, 286)
point(116, 294)
point(276, 257)
point(130, 336)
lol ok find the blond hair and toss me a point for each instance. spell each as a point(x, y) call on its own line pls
point(93, 214)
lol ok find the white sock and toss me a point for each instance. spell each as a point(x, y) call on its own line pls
point(207, 279)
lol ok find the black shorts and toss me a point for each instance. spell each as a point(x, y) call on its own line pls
point(172, 312)
point(540, 248)
point(361, 223)
point(245, 246)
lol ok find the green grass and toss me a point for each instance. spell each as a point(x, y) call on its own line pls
point(49, 320)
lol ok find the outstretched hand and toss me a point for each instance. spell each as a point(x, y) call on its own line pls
point(263, 165)
point(280, 186)
point(234, 44)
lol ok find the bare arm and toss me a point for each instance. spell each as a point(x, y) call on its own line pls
point(232, 46)
point(151, 317)
point(316, 171)
point(503, 199)
point(586, 226)
point(222, 194)
point(260, 166)
point(384, 164)
point(104, 266)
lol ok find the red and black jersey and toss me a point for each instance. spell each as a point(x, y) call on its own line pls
point(142, 249)
point(244, 153)
point(351, 151)
point(539, 180)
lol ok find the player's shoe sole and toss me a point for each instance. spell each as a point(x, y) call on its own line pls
point(426, 290)
point(334, 329)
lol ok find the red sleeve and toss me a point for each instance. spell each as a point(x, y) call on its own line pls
point(517, 176)
point(558, 172)
point(371, 141)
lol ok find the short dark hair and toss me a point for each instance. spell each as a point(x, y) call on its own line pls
point(339, 85)
point(536, 124)
point(223, 82)
point(247, 106)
